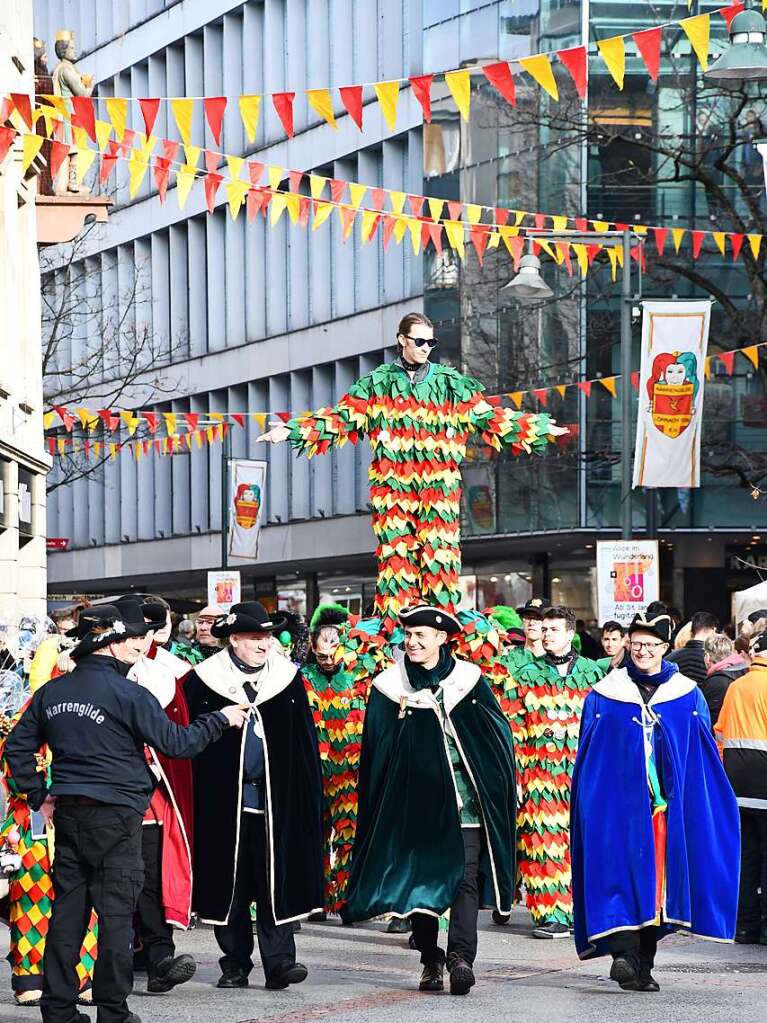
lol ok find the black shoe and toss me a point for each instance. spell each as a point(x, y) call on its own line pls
point(500, 918)
point(647, 982)
point(399, 925)
point(234, 978)
point(294, 974)
point(432, 977)
point(625, 972)
point(748, 937)
point(461, 977)
point(552, 930)
point(169, 973)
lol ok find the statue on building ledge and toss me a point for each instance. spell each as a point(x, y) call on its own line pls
point(68, 82)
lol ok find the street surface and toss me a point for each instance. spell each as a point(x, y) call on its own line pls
point(365, 974)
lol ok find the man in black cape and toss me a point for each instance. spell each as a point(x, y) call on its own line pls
point(258, 802)
point(437, 800)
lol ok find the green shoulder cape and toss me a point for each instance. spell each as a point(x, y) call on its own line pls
point(408, 852)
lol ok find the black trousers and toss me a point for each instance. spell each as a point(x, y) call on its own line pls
point(462, 933)
point(235, 938)
point(752, 907)
point(155, 935)
point(641, 945)
point(97, 865)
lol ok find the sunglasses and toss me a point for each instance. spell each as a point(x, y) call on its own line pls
point(419, 342)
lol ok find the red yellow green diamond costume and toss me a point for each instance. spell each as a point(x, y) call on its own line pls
point(338, 705)
point(544, 709)
point(30, 893)
point(418, 433)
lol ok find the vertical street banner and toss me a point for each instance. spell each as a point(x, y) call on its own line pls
point(671, 380)
point(628, 578)
point(247, 480)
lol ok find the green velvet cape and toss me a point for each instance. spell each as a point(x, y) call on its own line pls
point(408, 852)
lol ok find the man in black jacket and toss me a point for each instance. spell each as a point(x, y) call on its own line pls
point(95, 723)
point(690, 658)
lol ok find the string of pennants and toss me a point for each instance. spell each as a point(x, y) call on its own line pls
point(199, 431)
point(272, 201)
point(82, 110)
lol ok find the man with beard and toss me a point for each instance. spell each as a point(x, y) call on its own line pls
point(257, 802)
point(437, 800)
point(547, 697)
point(338, 704)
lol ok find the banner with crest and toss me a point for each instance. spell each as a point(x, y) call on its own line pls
point(671, 381)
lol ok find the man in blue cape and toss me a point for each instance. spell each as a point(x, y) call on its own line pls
point(654, 822)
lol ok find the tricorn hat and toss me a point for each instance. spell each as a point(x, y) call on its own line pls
point(248, 616)
point(103, 624)
point(431, 617)
point(659, 625)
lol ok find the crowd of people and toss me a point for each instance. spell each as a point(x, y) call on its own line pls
point(251, 770)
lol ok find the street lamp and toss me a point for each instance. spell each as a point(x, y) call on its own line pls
point(528, 285)
point(746, 58)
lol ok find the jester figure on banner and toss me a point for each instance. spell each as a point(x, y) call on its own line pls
point(27, 845)
point(419, 417)
point(673, 390)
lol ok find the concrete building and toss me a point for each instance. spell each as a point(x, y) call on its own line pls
point(244, 317)
point(23, 461)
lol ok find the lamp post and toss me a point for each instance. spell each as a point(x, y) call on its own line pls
point(528, 286)
point(746, 58)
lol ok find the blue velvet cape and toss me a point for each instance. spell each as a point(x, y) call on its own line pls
point(611, 835)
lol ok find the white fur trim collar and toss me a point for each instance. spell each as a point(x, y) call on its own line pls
point(154, 676)
point(223, 677)
point(393, 683)
point(617, 685)
point(171, 663)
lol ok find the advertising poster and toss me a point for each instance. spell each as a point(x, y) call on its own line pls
point(224, 588)
point(628, 578)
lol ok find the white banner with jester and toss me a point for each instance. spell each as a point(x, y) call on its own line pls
point(671, 380)
point(247, 481)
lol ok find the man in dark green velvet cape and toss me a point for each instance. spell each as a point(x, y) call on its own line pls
point(437, 800)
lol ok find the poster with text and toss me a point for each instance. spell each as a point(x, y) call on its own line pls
point(671, 380)
point(628, 578)
point(224, 588)
point(246, 501)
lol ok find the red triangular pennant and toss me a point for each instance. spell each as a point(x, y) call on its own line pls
point(255, 171)
point(294, 179)
point(23, 104)
point(697, 242)
point(415, 202)
point(542, 395)
point(728, 13)
point(351, 97)
point(304, 206)
point(7, 135)
point(149, 108)
point(283, 104)
point(67, 419)
point(337, 188)
point(84, 115)
point(648, 44)
point(152, 420)
point(501, 215)
point(60, 150)
point(455, 209)
point(635, 381)
point(238, 417)
point(736, 240)
point(377, 198)
point(192, 419)
point(212, 161)
point(161, 174)
point(574, 60)
point(585, 386)
point(211, 183)
point(660, 238)
point(500, 77)
point(422, 91)
point(581, 224)
point(435, 233)
point(284, 416)
point(389, 225)
point(480, 233)
point(214, 114)
point(728, 358)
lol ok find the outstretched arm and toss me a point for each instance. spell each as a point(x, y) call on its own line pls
point(314, 433)
point(528, 432)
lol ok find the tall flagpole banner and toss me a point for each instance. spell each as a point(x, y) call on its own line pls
point(671, 380)
point(246, 500)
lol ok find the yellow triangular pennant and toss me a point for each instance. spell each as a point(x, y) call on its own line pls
point(718, 237)
point(582, 256)
point(249, 110)
point(103, 131)
point(277, 207)
point(322, 211)
point(275, 175)
point(540, 69)
point(117, 112)
point(170, 422)
point(316, 185)
point(234, 163)
point(677, 233)
point(182, 112)
point(473, 212)
point(137, 168)
point(192, 155)
point(185, 176)
point(613, 53)
point(609, 382)
point(755, 243)
point(321, 101)
point(368, 223)
point(436, 206)
point(388, 94)
point(32, 145)
point(414, 227)
point(235, 192)
point(698, 31)
point(752, 354)
point(455, 236)
point(356, 193)
point(397, 200)
point(459, 83)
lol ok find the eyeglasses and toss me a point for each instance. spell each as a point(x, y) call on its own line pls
point(419, 342)
point(646, 646)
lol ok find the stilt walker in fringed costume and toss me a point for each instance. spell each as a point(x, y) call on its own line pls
point(546, 698)
point(30, 890)
point(419, 417)
point(338, 705)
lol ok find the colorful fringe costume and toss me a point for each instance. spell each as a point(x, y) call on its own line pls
point(544, 709)
point(418, 433)
point(30, 895)
point(338, 706)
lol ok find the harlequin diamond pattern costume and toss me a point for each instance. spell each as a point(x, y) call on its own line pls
point(338, 707)
point(545, 709)
point(418, 431)
point(30, 895)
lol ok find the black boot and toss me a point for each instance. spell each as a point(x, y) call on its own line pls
point(432, 977)
point(461, 976)
point(169, 973)
point(625, 970)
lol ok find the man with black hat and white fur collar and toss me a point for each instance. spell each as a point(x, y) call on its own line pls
point(95, 723)
point(448, 841)
point(258, 802)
